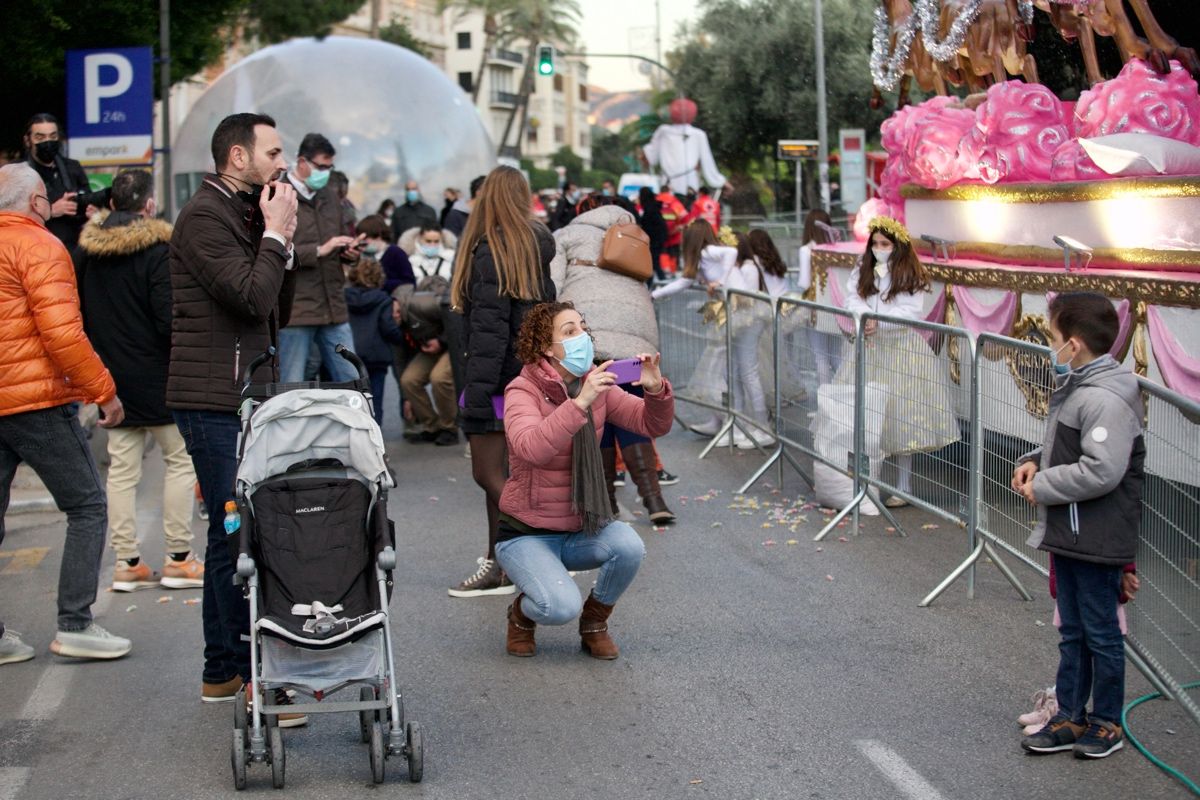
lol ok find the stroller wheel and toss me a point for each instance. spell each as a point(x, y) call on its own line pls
point(237, 759)
point(416, 753)
point(365, 694)
point(278, 755)
point(377, 754)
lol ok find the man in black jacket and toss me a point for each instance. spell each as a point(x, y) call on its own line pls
point(412, 213)
point(64, 178)
point(124, 277)
point(231, 281)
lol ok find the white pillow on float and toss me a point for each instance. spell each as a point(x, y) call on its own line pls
point(1142, 154)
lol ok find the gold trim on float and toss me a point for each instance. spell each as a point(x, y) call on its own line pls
point(1110, 257)
point(1156, 291)
point(1067, 192)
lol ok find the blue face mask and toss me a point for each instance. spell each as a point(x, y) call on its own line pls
point(412, 195)
point(431, 250)
point(1061, 369)
point(317, 179)
point(578, 352)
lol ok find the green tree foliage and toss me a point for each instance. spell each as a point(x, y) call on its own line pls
point(34, 38)
point(275, 21)
point(750, 67)
point(398, 33)
point(539, 179)
point(608, 154)
point(566, 157)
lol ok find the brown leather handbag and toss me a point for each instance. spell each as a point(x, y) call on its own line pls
point(625, 251)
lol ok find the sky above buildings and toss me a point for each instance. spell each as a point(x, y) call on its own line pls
point(625, 26)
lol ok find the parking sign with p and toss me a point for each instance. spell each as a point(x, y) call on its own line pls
point(110, 106)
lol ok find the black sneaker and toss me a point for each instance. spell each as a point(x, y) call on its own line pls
point(1101, 739)
point(446, 438)
point(667, 479)
point(1057, 735)
point(422, 437)
point(619, 480)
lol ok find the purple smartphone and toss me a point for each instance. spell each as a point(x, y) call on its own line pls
point(627, 370)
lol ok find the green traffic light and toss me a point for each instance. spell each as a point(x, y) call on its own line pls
point(546, 68)
point(545, 60)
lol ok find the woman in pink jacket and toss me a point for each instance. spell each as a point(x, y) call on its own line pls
point(554, 511)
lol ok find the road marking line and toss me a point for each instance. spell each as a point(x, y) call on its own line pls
point(12, 781)
point(49, 693)
point(897, 770)
point(22, 560)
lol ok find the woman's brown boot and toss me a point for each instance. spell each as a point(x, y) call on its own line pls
point(593, 629)
point(641, 463)
point(609, 456)
point(520, 631)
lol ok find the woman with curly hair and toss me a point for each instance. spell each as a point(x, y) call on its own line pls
point(554, 511)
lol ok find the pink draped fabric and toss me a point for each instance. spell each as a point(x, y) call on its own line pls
point(1180, 371)
point(978, 318)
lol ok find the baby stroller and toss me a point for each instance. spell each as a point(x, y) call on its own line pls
point(315, 555)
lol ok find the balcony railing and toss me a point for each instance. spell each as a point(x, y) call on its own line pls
point(507, 99)
point(511, 57)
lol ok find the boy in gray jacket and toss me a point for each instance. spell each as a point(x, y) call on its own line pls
point(1086, 481)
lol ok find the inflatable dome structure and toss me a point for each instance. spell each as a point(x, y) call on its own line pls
point(391, 115)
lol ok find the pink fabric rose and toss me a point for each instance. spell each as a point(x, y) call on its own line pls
point(932, 149)
point(1139, 100)
point(875, 207)
point(1018, 129)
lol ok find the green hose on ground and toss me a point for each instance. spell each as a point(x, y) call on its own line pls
point(1167, 768)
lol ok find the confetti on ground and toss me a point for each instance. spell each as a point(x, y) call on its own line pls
point(843, 539)
point(639, 513)
point(192, 601)
point(767, 525)
point(930, 526)
point(820, 549)
point(792, 541)
point(890, 529)
point(717, 524)
point(433, 499)
point(769, 543)
point(1039, 623)
point(828, 577)
point(842, 524)
point(696, 782)
point(162, 600)
point(452, 479)
point(659, 529)
point(130, 608)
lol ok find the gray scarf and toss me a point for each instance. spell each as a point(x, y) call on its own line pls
point(589, 492)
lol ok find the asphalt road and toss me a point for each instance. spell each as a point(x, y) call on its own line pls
point(748, 670)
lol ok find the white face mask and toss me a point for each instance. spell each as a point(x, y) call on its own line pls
point(881, 257)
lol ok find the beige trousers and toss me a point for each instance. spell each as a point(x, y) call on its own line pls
point(435, 371)
point(125, 448)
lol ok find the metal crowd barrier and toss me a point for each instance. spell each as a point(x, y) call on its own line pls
point(967, 407)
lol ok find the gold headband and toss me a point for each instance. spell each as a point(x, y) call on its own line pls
point(891, 227)
point(727, 237)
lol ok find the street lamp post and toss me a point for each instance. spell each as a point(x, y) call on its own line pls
point(822, 114)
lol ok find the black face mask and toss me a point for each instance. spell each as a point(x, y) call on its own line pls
point(46, 151)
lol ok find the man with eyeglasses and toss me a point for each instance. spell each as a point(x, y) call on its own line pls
point(64, 178)
point(319, 316)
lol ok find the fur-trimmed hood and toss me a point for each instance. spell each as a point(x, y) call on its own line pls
point(118, 234)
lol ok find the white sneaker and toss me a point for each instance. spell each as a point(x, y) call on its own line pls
point(755, 438)
point(12, 649)
point(91, 642)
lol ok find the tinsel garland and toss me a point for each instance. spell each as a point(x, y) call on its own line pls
point(928, 11)
point(886, 68)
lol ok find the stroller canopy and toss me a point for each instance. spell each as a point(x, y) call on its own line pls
point(309, 424)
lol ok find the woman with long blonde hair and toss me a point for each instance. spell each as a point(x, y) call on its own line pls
point(501, 271)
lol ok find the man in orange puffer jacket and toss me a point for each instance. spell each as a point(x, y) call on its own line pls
point(47, 365)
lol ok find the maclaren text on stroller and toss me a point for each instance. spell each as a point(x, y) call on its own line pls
point(315, 554)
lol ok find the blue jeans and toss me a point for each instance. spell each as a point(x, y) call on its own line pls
point(295, 342)
point(1091, 651)
point(211, 438)
point(378, 377)
point(538, 565)
point(51, 441)
point(612, 434)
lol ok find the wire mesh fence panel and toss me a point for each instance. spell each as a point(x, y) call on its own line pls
point(1015, 380)
point(751, 320)
point(917, 392)
point(816, 416)
point(1164, 619)
point(691, 334)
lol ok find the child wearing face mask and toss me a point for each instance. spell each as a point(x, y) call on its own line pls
point(1086, 482)
point(919, 414)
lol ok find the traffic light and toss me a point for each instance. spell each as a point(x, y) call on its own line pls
point(545, 63)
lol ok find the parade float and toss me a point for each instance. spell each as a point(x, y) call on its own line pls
point(1017, 195)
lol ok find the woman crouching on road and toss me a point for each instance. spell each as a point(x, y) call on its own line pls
point(554, 511)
